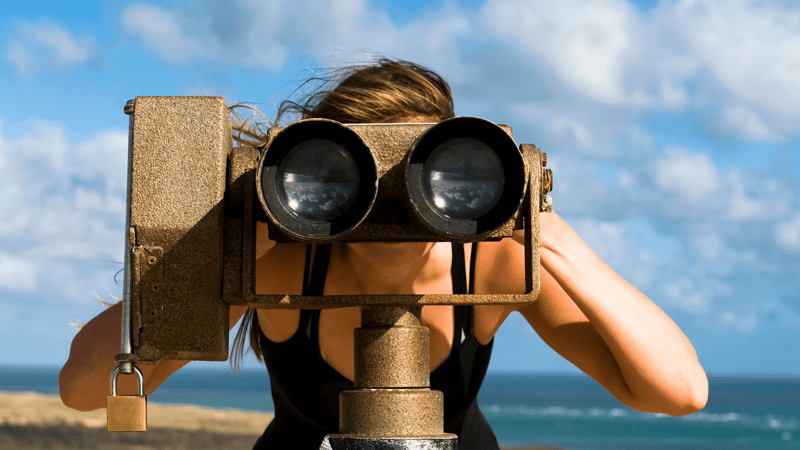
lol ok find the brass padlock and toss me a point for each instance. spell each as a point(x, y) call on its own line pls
point(126, 412)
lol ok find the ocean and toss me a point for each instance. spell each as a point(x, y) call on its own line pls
point(572, 411)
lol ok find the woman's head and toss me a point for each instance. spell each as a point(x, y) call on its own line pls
point(384, 92)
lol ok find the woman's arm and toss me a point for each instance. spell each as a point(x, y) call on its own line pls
point(84, 380)
point(610, 330)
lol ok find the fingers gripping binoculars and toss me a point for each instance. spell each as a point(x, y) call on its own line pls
point(194, 200)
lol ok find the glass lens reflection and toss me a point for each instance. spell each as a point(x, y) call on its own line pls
point(319, 180)
point(463, 179)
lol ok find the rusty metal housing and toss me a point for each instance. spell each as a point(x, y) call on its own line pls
point(193, 209)
point(191, 241)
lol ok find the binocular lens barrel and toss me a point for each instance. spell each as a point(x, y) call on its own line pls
point(464, 177)
point(319, 180)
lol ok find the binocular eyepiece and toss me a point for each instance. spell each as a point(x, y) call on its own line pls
point(194, 200)
point(192, 207)
point(462, 179)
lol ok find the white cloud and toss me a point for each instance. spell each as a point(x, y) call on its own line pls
point(180, 37)
point(692, 176)
point(16, 273)
point(733, 64)
point(587, 43)
point(607, 239)
point(161, 31)
point(104, 156)
point(709, 246)
point(263, 34)
point(572, 130)
point(684, 55)
point(742, 206)
point(687, 296)
point(787, 233)
point(44, 45)
point(742, 322)
point(744, 122)
point(63, 208)
point(752, 47)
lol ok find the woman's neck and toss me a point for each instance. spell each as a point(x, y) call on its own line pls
point(395, 268)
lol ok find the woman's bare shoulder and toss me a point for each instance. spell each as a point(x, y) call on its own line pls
point(280, 270)
point(500, 267)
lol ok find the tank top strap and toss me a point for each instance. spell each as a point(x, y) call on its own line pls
point(458, 271)
point(315, 273)
point(472, 258)
point(318, 258)
point(464, 314)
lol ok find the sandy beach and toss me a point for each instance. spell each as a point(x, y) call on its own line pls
point(30, 421)
point(36, 421)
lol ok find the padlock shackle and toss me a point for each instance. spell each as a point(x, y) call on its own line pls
point(139, 384)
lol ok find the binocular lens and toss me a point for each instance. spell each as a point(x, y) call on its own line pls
point(317, 180)
point(463, 179)
point(320, 180)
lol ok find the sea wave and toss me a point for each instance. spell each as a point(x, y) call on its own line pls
point(773, 422)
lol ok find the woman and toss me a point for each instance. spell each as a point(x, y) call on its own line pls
point(586, 312)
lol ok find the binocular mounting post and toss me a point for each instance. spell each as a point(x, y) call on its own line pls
point(392, 405)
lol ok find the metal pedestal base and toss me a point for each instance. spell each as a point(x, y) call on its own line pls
point(351, 443)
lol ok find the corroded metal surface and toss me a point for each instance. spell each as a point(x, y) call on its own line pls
point(408, 316)
point(351, 443)
point(391, 218)
point(526, 220)
point(179, 151)
point(403, 368)
point(239, 224)
point(191, 253)
point(395, 413)
point(391, 349)
point(190, 225)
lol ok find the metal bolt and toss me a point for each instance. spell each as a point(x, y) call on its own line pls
point(547, 204)
point(547, 181)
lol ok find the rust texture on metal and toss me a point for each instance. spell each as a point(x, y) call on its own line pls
point(391, 218)
point(392, 376)
point(389, 344)
point(395, 140)
point(193, 202)
point(191, 245)
point(178, 166)
point(381, 363)
point(239, 224)
point(392, 413)
point(333, 442)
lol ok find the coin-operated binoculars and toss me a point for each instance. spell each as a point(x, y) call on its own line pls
point(193, 204)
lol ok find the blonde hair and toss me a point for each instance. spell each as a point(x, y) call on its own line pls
point(385, 91)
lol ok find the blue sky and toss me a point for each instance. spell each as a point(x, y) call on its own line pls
point(673, 129)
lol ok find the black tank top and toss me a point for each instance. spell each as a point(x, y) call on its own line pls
point(305, 389)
